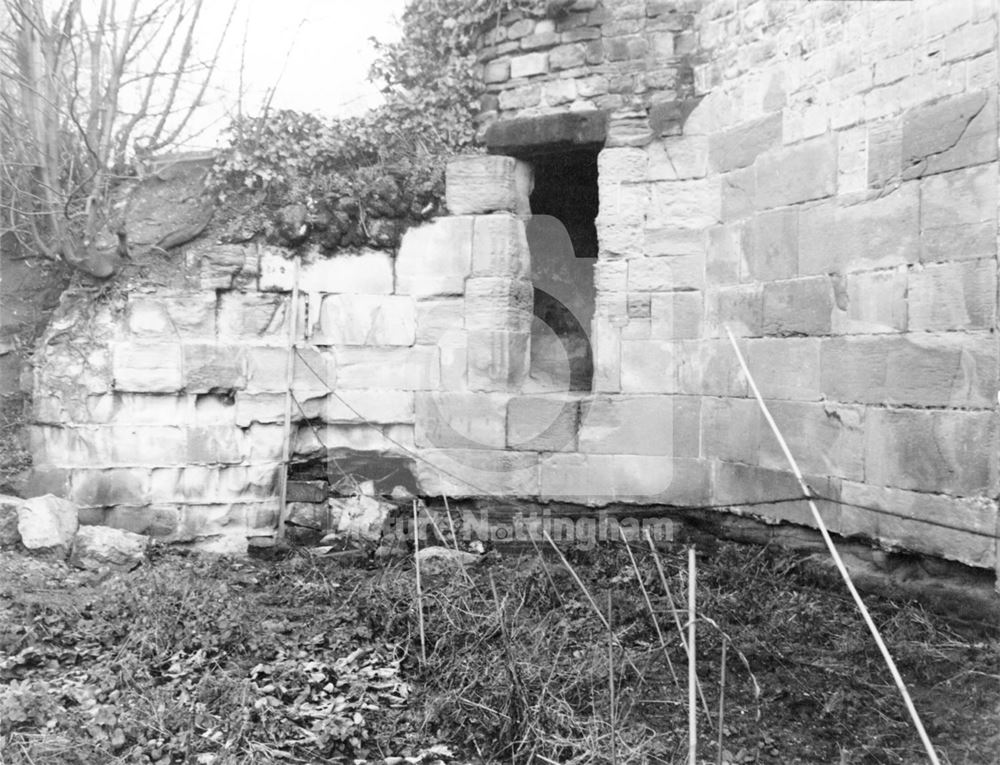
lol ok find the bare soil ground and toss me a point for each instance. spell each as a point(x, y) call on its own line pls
point(208, 660)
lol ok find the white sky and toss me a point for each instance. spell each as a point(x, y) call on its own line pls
point(316, 51)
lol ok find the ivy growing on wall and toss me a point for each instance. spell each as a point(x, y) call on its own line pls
point(363, 181)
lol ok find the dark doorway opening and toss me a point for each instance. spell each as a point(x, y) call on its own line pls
point(562, 236)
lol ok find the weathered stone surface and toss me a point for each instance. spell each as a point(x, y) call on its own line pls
point(528, 65)
point(461, 420)
point(251, 316)
point(772, 245)
point(676, 315)
point(826, 439)
point(191, 315)
point(368, 272)
point(169, 207)
point(786, 368)
point(598, 479)
point(542, 423)
point(307, 491)
point(694, 203)
point(413, 368)
point(47, 523)
point(724, 254)
point(477, 472)
point(367, 320)
point(96, 547)
point(160, 521)
point(738, 309)
point(212, 446)
point(362, 516)
point(685, 272)
point(740, 146)
point(958, 215)
point(314, 371)
point(483, 184)
point(496, 71)
point(9, 535)
point(676, 241)
point(949, 452)
point(798, 307)
point(497, 359)
point(380, 406)
point(949, 133)
point(213, 367)
point(765, 492)
point(739, 192)
point(438, 319)
point(916, 369)
point(551, 130)
point(677, 158)
point(147, 367)
point(222, 266)
point(500, 247)
point(951, 296)
point(876, 302)
point(879, 233)
point(442, 559)
point(799, 173)
point(435, 258)
point(731, 429)
point(640, 425)
point(498, 303)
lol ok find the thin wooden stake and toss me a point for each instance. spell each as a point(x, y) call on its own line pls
point(649, 605)
point(611, 685)
point(722, 700)
point(821, 525)
point(675, 611)
point(692, 669)
point(293, 324)
point(420, 594)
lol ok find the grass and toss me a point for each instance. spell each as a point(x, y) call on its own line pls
point(207, 660)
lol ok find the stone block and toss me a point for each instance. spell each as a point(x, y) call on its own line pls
point(649, 366)
point(190, 315)
point(619, 238)
point(665, 274)
point(542, 423)
point(798, 307)
point(213, 446)
point(209, 367)
point(763, 492)
point(676, 315)
point(662, 425)
point(599, 479)
point(948, 452)
point(523, 97)
point(958, 215)
point(453, 350)
point(314, 371)
point(786, 368)
point(378, 406)
point(738, 309)
point(146, 367)
point(606, 346)
point(47, 523)
point(497, 359)
point(500, 246)
point(461, 420)
point(791, 174)
point(97, 547)
point(254, 317)
point(559, 92)
point(875, 234)
point(214, 409)
point(221, 266)
point(307, 491)
point(695, 203)
point(949, 369)
point(674, 241)
point(367, 320)
point(724, 255)
point(826, 438)
point(740, 146)
point(623, 164)
point(528, 65)
point(567, 56)
point(610, 276)
point(266, 443)
point(498, 303)
point(876, 302)
point(413, 368)
point(368, 272)
point(496, 71)
point(480, 184)
point(885, 152)
point(949, 133)
point(110, 487)
point(437, 319)
point(147, 445)
point(160, 521)
point(731, 429)
point(477, 473)
point(677, 158)
point(772, 245)
point(953, 296)
point(739, 192)
point(911, 521)
point(435, 258)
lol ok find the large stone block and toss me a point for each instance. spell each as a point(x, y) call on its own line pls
point(958, 213)
point(659, 240)
point(798, 307)
point(314, 371)
point(461, 420)
point(876, 302)
point(599, 479)
point(950, 369)
point(110, 487)
point(950, 452)
point(477, 473)
point(911, 520)
point(650, 366)
point(771, 244)
point(255, 317)
point(190, 315)
point(214, 446)
point(606, 346)
point(786, 368)
point(731, 429)
point(678, 157)
point(765, 493)
point(500, 246)
point(825, 438)
point(368, 272)
point(874, 234)
point(148, 445)
point(47, 523)
point(691, 203)
point(147, 367)
point(666, 273)
point(791, 174)
point(222, 266)
point(498, 303)
point(209, 367)
point(949, 133)
point(951, 296)
point(497, 359)
point(739, 193)
point(367, 320)
point(738, 309)
point(413, 368)
point(676, 315)
point(724, 255)
point(488, 183)
point(435, 258)
point(542, 423)
point(438, 319)
point(740, 146)
point(624, 164)
point(640, 425)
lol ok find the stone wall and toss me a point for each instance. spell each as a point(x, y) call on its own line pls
point(827, 189)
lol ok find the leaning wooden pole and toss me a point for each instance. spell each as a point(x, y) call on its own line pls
point(692, 667)
point(286, 445)
point(807, 492)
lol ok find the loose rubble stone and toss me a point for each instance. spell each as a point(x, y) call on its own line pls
point(95, 547)
point(47, 524)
